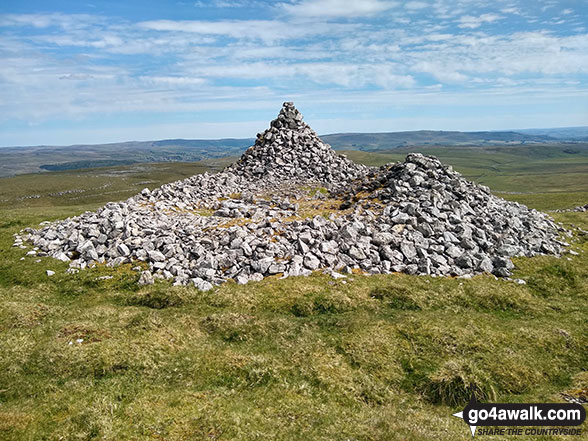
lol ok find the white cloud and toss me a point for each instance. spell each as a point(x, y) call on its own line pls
point(64, 21)
point(415, 5)
point(229, 4)
point(337, 8)
point(322, 73)
point(77, 77)
point(511, 10)
point(473, 22)
point(174, 81)
point(445, 72)
point(90, 68)
point(266, 30)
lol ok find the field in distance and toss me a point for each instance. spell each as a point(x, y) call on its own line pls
point(387, 357)
point(541, 176)
point(19, 160)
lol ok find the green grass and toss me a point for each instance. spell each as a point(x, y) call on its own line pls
point(93, 187)
point(375, 358)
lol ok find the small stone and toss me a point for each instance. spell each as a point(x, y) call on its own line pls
point(62, 256)
point(382, 238)
point(409, 251)
point(156, 256)
point(241, 279)
point(311, 261)
point(356, 253)
point(146, 278)
point(256, 277)
point(202, 285)
point(485, 265)
point(123, 250)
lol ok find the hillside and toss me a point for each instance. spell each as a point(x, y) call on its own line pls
point(543, 177)
point(19, 160)
point(386, 357)
point(380, 141)
point(418, 216)
point(561, 133)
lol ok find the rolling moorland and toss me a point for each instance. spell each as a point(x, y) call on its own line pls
point(375, 358)
point(19, 160)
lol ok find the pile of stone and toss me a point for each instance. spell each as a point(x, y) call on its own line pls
point(246, 223)
point(290, 149)
point(578, 209)
point(452, 223)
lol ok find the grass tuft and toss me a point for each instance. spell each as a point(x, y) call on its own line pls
point(396, 297)
point(455, 381)
point(159, 296)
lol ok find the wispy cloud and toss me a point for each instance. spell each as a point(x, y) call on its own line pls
point(77, 77)
point(337, 8)
point(225, 4)
point(415, 5)
point(174, 81)
point(266, 30)
point(373, 56)
point(64, 21)
point(473, 22)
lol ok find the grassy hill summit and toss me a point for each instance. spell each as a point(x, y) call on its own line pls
point(415, 286)
point(418, 217)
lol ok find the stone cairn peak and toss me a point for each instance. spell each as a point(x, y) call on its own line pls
point(290, 148)
point(258, 218)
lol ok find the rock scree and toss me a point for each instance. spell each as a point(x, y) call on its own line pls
point(291, 205)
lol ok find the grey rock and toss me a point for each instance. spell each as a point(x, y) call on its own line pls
point(241, 279)
point(464, 261)
point(330, 247)
point(156, 256)
point(409, 251)
point(453, 251)
point(348, 232)
point(382, 238)
point(356, 253)
point(200, 284)
point(485, 265)
point(311, 261)
point(123, 250)
point(503, 262)
point(276, 268)
point(256, 277)
point(146, 278)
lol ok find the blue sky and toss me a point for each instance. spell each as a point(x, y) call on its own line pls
point(106, 71)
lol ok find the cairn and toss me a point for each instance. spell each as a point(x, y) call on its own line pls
point(418, 217)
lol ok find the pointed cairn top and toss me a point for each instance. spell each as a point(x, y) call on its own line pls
point(289, 117)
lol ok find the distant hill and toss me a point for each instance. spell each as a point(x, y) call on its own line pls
point(383, 141)
point(19, 160)
point(561, 133)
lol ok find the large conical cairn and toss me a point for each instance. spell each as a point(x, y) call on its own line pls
point(290, 148)
point(418, 217)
